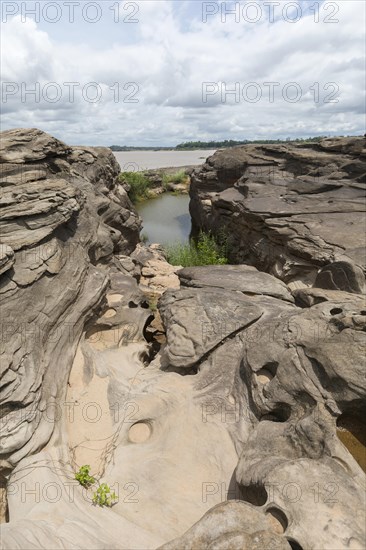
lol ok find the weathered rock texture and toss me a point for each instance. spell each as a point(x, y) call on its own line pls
point(288, 383)
point(63, 213)
point(244, 430)
point(289, 209)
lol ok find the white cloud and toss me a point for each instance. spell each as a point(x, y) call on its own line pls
point(169, 54)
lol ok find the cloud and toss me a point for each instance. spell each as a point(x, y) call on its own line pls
point(149, 76)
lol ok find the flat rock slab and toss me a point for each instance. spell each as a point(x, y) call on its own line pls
point(243, 278)
point(199, 320)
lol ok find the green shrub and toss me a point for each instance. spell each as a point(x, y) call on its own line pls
point(206, 251)
point(83, 476)
point(139, 185)
point(178, 177)
point(103, 496)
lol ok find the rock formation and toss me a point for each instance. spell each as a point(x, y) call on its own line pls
point(229, 416)
point(289, 209)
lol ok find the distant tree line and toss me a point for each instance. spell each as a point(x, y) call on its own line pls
point(189, 145)
point(233, 143)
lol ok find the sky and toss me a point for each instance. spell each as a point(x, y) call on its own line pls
point(162, 72)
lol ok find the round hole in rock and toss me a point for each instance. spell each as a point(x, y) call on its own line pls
point(280, 414)
point(255, 494)
point(139, 432)
point(363, 312)
point(267, 373)
point(336, 311)
point(278, 519)
point(132, 304)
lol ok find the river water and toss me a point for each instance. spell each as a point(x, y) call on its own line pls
point(166, 219)
point(135, 161)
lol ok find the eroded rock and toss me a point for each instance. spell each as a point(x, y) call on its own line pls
point(288, 209)
point(62, 211)
point(242, 430)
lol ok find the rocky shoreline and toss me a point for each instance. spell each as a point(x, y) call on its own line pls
point(224, 404)
point(162, 181)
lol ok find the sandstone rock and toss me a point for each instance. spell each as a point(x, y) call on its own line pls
point(307, 297)
point(243, 278)
point(301, 371)
point(341, 276)
point(288, 209)
point(6, 258)
point(244, 429)
point(157, 275)
point(197, 321)
point(53, 230)
point(29, 146)
point(231, 526)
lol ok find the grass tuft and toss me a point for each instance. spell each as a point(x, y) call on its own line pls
point(206, 251)
point(177, 178)
point(139, 185)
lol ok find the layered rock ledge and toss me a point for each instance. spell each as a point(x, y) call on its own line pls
point(64, 216)
point(289, 209)
point(229, 415)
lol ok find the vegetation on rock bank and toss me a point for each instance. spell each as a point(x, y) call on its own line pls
point(204, 251)
point(143, 184)
point(189, 145)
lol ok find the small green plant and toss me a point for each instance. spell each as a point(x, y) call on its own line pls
point(205, 251)
point(138, 183)
point(104, 496)
point(83, 476)
point(153, 303)
point(176, 178)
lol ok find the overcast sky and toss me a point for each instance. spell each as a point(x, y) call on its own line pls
point(159, 72)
